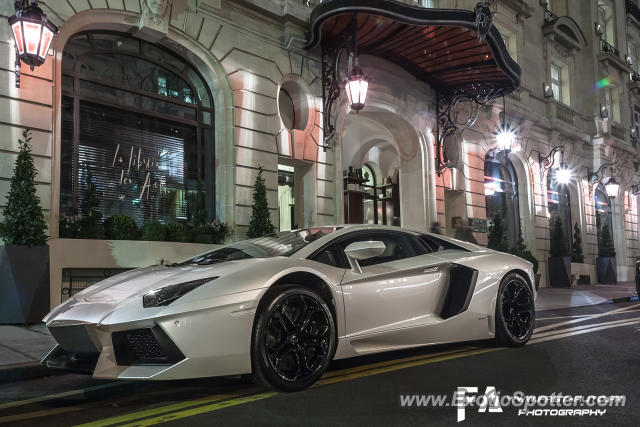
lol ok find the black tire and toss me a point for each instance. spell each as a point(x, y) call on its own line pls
point(515, 311)
point(293, 340)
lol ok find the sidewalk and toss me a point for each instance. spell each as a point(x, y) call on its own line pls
point(22, 347)
point(554, 298)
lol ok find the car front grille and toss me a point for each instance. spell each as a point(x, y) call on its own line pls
point(146, 346)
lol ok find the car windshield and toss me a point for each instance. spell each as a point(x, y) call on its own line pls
point(281, 244)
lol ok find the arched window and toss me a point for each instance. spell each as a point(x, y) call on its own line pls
point(501, 193)
point(603, 209)
point(139, 119)
point(559, 203)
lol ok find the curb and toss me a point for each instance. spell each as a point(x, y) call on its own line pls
point(623, 299)
point(24, 371)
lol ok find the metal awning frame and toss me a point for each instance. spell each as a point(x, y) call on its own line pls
point(333, 51)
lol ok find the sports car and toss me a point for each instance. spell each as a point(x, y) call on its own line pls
point(282, 307)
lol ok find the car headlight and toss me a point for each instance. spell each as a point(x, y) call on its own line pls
point(168, 294)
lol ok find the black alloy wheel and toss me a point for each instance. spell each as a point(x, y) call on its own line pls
point(515, 311)
point(294, 340)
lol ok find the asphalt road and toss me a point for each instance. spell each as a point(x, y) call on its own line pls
point(588, 351)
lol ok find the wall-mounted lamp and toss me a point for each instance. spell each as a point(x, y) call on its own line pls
point(633, 131)
point(547, 91)
point(611, 186)
point(505, 134)
point(544, 3)
point(599, 29)
point(628, 60)
point(32, 34)
point(604, 112)
point(563, 173)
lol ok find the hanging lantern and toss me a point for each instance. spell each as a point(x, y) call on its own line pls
point(505, 134)
point(505, 137)
point(356, 86)
point(32, 33)
point(612, 188)
point(563, 174)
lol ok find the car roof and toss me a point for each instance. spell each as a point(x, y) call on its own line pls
point(348, 228)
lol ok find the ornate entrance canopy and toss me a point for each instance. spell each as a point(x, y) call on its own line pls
point(457, 52)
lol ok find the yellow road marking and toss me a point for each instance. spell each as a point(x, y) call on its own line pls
point(43, 413)
point(391, 362)
point(409, 364)
point(156, 411)
point(59, 395)
point(199, 410)
point(329, 378)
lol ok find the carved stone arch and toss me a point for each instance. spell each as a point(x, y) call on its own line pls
point(566, 32)
point(191, 51)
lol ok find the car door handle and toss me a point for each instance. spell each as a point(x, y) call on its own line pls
point(431, 269)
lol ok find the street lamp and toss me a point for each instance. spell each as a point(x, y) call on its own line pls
point(32, 33)
point(356, 86)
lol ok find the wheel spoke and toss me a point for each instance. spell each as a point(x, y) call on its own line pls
point(286, 321)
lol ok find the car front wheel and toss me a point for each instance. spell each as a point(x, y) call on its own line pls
point(294, 339)
point(515, 311)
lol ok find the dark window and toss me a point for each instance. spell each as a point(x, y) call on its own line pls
point(397, 246)
point(330, 255)
point(436, 244)
point(501, 193)
point(559, 203)
point(139, 119)
point(603, 210)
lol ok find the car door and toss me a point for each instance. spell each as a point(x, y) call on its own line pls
point(398, 289)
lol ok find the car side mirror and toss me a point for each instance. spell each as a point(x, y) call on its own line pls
point(363, 250)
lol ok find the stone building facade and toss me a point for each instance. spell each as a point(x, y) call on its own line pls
point(579, 60)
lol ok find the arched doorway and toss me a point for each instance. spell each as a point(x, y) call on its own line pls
point(379, 144)
point(139, 119)
point(559, 202)
point(501, 193)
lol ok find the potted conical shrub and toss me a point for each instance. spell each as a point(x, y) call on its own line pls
point(559, 258)
point(24, 259)
point(260, 223)
point(606, 260)
point(521, 250)
point(497, 239)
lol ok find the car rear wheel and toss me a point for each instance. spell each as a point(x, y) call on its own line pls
point(515, 311)
point(294, 339)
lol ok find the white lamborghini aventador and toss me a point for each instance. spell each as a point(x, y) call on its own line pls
point(282, 307)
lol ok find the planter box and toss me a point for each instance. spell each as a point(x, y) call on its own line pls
point(560, 272)
point(582, 274)
point(606, 269)
point(24, 284)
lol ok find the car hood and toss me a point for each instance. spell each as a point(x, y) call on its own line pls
point(134, 283)
point(143, 280)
